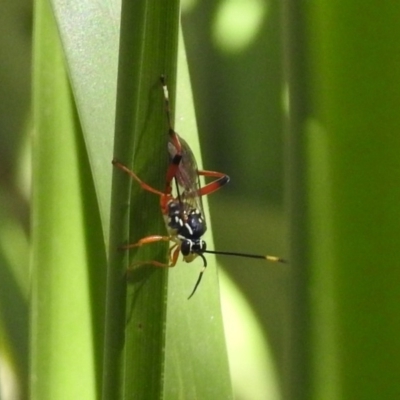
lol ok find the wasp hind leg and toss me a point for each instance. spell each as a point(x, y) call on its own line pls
point(214, 185)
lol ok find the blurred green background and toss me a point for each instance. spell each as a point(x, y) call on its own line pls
point(340, 340)
point(15, 99)
point(15, 90)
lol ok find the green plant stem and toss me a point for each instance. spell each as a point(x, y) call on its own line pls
point(134, 340)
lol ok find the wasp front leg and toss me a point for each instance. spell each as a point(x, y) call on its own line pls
point(144, 185)
point(173, 258)
point(147, 240)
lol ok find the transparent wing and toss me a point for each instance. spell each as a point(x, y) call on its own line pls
point(187, 178)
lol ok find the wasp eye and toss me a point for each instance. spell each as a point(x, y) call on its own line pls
point(186, 247)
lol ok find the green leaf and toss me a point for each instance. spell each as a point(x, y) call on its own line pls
point(68, 261)
point(196, 359)
point(89, 34)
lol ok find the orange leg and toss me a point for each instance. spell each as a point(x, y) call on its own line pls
point(214, 185)
point(144, 185)
point(147, 240)
point(174, 165)
point(164, 197)
point(175, 254)
point(172, 170)
point(175, 249)
point(153, 263)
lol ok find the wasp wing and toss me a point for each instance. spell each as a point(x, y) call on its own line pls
point(187, 177)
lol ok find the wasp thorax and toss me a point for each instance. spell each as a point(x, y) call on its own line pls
point(194, 226)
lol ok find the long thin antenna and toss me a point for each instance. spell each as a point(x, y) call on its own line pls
point(200, 275)
point(260, 257)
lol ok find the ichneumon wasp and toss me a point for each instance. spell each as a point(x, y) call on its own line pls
point(183, 213)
